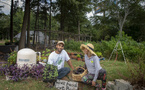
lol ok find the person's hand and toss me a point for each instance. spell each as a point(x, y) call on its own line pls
point(93, 83)
point(72, 68)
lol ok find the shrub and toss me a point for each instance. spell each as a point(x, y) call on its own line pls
point(73, 45)
point(13, 57)
point(99, 54)
point(132, 49)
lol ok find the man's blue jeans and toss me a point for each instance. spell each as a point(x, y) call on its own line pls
point(63, 72)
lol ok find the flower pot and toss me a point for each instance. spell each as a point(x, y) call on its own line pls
point(79, 59)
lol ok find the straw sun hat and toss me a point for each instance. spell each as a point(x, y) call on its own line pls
point(89, 47)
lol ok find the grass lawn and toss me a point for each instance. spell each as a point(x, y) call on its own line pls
point(112, 68)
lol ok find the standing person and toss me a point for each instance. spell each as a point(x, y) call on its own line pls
point(58, 58)
point(95, 71)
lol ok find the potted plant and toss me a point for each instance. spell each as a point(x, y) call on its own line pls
point(50, 73)
point(78, 57)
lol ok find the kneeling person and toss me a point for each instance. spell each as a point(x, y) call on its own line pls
point(58, 58)
point(95, 71)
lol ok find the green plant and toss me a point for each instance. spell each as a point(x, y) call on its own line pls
point(46, 52)
point(43, 58)
point(50, 73)
point(78, 55)
point(13, 57)
point(73, 45)
point(99, 54)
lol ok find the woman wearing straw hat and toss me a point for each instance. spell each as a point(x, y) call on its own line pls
point(95, 71)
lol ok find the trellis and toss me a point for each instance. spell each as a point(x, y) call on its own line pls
point(58, 35)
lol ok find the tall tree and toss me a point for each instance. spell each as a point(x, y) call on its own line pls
point(50, 21)
point(115, 11)
point(25, 21)
point(28, 28)
point(135, 26)
point(11, 23)
point(37, 4)
point(4, 26)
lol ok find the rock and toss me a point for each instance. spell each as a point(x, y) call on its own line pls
point(119, 84)
point(110, 85)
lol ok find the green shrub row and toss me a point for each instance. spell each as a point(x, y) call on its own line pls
point(132, 49)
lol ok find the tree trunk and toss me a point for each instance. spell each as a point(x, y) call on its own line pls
point(50, 23)
point(11, 23)
point(37, 15)
point(45, 32)
point(122, 21)
point(28, 30)
point(62, 21)
point(79, 30)
point(25, 20)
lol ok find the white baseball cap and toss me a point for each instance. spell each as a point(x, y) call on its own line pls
point(60, 42)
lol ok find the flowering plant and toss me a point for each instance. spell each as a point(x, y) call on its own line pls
point(18, 73)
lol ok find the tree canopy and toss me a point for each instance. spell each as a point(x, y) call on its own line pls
point(71, 16)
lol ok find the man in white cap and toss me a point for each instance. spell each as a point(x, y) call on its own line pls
point(58, 58)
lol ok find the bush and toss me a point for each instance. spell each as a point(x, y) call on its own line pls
point(132, 49)
point(73, 45)
point(13, 57)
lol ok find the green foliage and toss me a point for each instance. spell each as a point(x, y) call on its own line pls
point(72, 45)
point(132, 49)
point(4, 26)
point(50, 73)
point(99, 54)
point(13, 57)
point(18, 21)
point(46, 52)
point(78, 55)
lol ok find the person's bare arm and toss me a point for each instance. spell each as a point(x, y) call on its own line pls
point(70, 64)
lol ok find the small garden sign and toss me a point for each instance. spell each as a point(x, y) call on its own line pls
point(66, 85)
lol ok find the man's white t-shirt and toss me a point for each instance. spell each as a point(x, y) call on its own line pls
point(58, 59)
